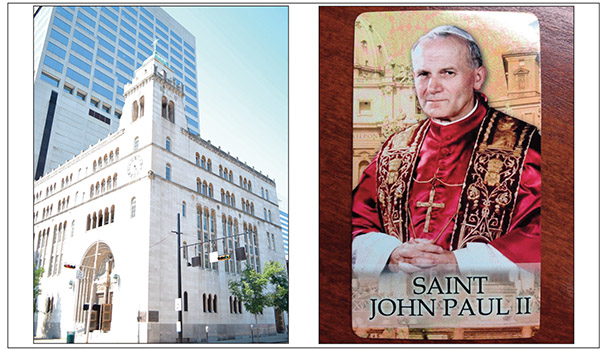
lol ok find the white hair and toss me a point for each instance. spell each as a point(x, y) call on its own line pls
point(474, 56)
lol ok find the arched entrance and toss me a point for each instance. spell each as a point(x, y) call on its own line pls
point(95, 287)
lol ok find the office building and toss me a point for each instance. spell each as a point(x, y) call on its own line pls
point(83, 57)
point(284, 223)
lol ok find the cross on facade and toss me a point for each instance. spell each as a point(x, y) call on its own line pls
point(154, 44)
point(430, 205)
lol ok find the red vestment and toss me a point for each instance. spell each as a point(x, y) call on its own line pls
point(445, 155)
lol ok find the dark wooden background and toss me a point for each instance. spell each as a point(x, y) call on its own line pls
point(336, 30)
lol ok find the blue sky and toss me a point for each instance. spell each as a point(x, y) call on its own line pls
point(242, 68)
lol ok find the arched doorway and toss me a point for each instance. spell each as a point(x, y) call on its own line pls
point(95, 287)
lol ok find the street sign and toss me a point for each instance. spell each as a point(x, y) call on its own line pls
point(240, 253)
point(79, 275)
point(178, 304)
point(213, 256)
point(179, 326)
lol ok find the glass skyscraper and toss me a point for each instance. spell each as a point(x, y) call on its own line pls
point(83, 57)
point(284, 224)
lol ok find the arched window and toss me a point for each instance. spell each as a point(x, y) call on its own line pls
point(103, 186)
point(204, 302)
point(168, 144)
point(112, 213)
point(230, 176)
point(269, 215)
point(164, 107)
point(220, 170)
point(228, 198)
point(94, 220)
point(266, 194)
point(100, 218)
point(233, 200)
point(185, 301)
point(222, 195)
point(133, 207)
point(168, 172)
point(117, 153)
point(204, 188)
point(97, 188)
point(106, 216)
point(241, 181)
point(202, 162)
point(196, 156)
point(141, 106)
point(225, 173)
point(209, 303)
point(171, 111)
point(230, 304)
point(262, 192)
point(135, 111)
point(111, 158)
point(209, 165)
point(99, 163)
point(89, 221)
point(94, 166)
point(249, 185)
point(243, 205)
point(109, 183)
point(215, 303)
point(252, 208)
point(265, 213)
point(198, 185)
point(235, 305)
point(211, 190)
point(206, 220)
point(106, 160)
point(115, 180)
point(136, 144)
point(183, 208)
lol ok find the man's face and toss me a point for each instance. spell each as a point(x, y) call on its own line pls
point(443, 78)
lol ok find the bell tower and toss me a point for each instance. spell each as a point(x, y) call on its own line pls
point(154, 102)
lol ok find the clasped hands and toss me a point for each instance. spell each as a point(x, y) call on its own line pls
point(420, 253)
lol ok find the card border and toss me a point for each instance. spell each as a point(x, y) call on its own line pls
point(336, 37)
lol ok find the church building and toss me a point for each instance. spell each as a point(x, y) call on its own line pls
point(113, 212)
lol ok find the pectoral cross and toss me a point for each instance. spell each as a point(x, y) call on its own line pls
point(430, 205)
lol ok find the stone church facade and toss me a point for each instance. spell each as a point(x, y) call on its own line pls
point(112, 211)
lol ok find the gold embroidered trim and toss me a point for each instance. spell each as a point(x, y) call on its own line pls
point(492, 181)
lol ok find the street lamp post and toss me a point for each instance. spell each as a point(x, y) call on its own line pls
point(179, 282)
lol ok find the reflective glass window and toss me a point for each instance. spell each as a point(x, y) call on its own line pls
point(61, 38)
point(77, 77)
point(53, 64)
point(55, 49)
point(102, 91)
point(62, 25)
point(81, 50)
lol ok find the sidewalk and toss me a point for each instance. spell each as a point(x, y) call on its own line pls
point(278, 338)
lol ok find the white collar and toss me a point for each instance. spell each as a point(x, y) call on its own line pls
point(445, 123)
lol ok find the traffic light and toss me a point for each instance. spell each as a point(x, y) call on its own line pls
point(69, 266)
point(224, 257)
